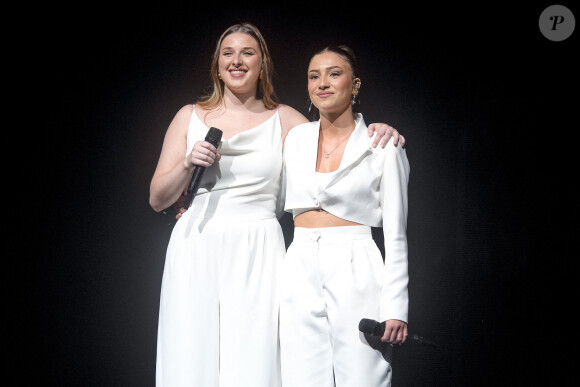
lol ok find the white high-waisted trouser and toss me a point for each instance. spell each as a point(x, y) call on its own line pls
point(330, 280)
point(218, 317)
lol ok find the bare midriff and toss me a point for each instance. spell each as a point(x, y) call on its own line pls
point(320, 219)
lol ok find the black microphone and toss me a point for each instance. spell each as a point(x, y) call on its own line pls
point(214, 136)
point(375, 328)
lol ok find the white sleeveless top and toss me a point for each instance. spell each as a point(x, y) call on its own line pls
point(245, 182)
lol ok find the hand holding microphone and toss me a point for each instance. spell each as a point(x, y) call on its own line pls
point(396, 330)
point(375, 328)
point(214, 136)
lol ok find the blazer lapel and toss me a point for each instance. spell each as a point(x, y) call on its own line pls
point(308, 152)
point(358, 146)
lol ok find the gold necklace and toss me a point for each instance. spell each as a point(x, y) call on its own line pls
point(336, 147)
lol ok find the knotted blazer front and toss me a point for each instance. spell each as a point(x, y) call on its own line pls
point(369, 187)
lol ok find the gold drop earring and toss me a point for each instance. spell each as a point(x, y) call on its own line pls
point(357, 84)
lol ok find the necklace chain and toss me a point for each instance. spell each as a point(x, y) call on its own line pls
point(327, 155)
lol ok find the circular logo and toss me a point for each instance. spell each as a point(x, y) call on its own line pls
point(557, 23)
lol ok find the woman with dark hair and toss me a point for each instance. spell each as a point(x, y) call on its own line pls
point(333, 274)
point(218, 317)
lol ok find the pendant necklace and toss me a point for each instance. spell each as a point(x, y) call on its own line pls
point(336, 147)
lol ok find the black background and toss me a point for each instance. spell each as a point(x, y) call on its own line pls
point(482, 97)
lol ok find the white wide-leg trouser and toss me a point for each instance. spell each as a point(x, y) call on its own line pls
point(330, 280)
point(218, 317)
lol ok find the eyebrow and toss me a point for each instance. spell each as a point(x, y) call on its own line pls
point(327, 68)
point(243, 48)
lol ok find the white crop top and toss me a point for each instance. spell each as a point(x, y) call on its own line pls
point(321, 180)
point(356, 191)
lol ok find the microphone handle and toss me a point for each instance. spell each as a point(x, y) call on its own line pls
point(193, 185)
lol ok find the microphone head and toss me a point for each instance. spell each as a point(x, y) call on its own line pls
point(214, 136)
point(371, 327)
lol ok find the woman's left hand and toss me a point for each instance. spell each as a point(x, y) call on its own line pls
point(384, 133)
point(395, 332)
point(180, 212)
point(178, 206)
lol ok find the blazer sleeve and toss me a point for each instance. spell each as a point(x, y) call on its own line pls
point(281, 198)
point(394, 302)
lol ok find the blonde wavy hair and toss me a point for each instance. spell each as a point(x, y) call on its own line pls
point(265, 89)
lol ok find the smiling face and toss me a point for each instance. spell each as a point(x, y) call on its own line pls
point(330, 83)
point(240, 62)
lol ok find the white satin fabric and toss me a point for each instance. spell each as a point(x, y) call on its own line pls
point(218, 318)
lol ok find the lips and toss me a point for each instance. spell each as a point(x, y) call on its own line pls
point(324, 95)
point(238, 73)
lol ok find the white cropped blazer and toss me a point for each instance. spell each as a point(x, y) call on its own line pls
point(369, 187)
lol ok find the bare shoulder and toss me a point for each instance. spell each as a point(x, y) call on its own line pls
point(290, 114)
point(289, 118)
point(186, 111)
point(181, 120)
